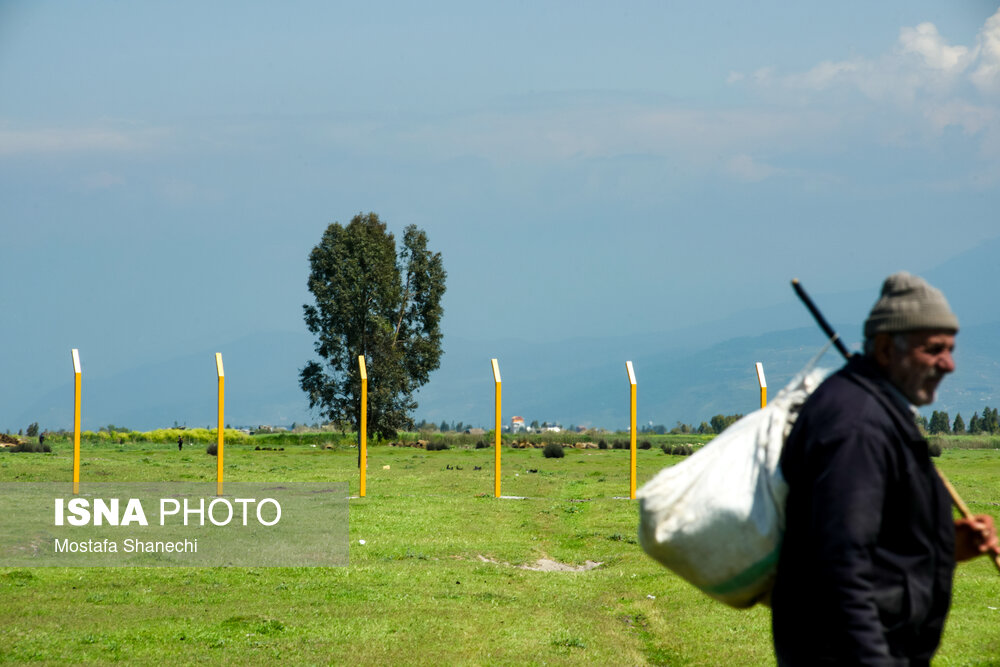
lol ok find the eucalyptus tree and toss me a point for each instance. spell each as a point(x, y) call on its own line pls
point(959, 426)
point(374, 301)
point(940, 423)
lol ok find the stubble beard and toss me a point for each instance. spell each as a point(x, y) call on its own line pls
point(919, 385)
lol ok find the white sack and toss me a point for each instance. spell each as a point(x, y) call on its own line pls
point(717, 518)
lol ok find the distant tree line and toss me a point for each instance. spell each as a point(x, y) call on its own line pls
point(716, 424)
point(940, 423)
point(443, 427)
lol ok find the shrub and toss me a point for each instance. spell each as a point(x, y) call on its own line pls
point(620, 444)
point(481, 445)
point(212, 449)
point(934, 447)
point(982, 441)
point(602, 444)
point(645, 444)
point(32, 447)
point(553, 450)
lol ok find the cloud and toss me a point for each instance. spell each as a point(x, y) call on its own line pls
point(102, 180)
point(971, 118)
point(986, 75)
point(745, 168)
point(908, 98)
point(925, 41)
point(980, 121)
point(54, 141)
point(827, 74)
point(921, 64)
point(181, 191)
point(566, 130)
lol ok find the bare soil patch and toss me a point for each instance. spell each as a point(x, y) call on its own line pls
point(547, 565)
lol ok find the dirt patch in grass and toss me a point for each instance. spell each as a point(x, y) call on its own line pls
point(547, 565)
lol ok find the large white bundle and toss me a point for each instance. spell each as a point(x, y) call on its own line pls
point(717, 518)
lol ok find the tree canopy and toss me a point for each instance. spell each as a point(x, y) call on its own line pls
point(939, 423)
point(371, 301)
point(959, 427)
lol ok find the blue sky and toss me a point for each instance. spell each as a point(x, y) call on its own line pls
point(585, 169)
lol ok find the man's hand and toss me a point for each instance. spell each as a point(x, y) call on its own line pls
point(975, 537)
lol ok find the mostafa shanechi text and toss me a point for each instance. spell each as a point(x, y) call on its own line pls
point(128, 546)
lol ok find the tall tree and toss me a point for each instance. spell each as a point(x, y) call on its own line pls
point(974, 427)
point(374, 302)
point(720, 423)
point(939, 423)
point(988, 423)
point(959, 427)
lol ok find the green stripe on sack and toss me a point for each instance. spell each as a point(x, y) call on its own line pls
point(745, 578)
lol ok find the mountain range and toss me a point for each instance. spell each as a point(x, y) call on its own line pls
point(687, 374)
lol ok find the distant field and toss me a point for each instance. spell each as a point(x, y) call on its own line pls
point(441, 577)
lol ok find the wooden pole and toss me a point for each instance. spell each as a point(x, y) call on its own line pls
point(631, 429)
point(77, 373)
point(964, 510)
point(363, 424)
point(762, 381)
point(220, 443)
point(497, 390)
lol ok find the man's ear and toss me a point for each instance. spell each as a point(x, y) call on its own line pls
point(883, 349)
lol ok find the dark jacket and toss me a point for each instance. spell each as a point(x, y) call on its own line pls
point(865, 569)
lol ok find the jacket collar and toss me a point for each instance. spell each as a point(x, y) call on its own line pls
point(873, 379)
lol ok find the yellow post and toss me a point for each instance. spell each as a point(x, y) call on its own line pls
point(631, 428)
point(363, 422)
point(77, 373)
point(763, 384)
point(496, 427)
point(222, 412)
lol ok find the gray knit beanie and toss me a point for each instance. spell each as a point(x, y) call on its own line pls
point(908, 303)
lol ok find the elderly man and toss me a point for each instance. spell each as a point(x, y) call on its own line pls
point(865, 569)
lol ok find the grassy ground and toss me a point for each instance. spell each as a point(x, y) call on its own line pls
point(439, 578)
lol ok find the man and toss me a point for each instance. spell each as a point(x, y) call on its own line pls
point(865, 569)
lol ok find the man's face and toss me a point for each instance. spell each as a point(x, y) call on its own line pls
point(917, 370)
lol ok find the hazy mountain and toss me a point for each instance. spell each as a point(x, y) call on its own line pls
point(261, 388)
point(580, 382)
point(547, 384)
point(687, 374)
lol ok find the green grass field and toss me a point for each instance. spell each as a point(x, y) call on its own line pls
point(441, 577)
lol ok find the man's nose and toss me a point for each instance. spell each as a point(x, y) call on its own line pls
point(946, 362)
